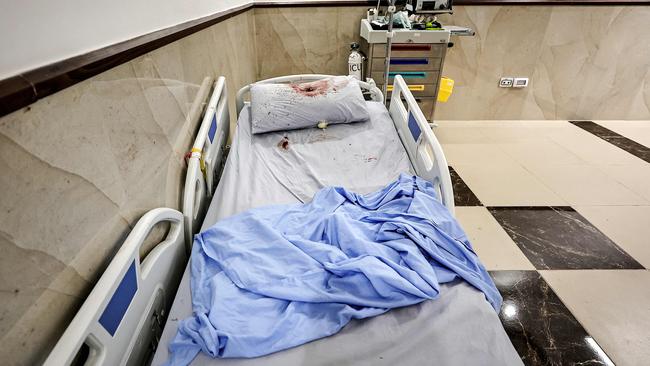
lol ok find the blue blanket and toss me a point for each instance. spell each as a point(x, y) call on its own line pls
point(279, 276)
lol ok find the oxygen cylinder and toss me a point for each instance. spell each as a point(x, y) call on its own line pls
point(355, 61)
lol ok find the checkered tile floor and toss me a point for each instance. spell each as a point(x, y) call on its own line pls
point(559, 213)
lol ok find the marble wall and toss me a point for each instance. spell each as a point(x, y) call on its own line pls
point(79, 168)
point(584, 62)
point(305, 40)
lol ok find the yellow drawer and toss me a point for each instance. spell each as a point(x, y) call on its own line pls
point(418, 90)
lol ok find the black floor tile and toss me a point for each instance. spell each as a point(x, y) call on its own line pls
point(560, 238)
point(541, 328)
point(633, 147)
point(463, 196)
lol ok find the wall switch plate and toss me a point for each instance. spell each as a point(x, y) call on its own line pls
point(506, 82)
point(520, 83)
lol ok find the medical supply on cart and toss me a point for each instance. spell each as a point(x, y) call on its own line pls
point(415, 49)
point(355, 61)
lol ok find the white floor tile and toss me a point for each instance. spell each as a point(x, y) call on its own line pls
point(459, 135)
point(507, 185)
point(491, 243)
point(585, 185)
point(613, 306)
point(627, 226)
point(522, 132)
point(539, 151)
point(636, 176)
point(592, 148)
point(484, 154)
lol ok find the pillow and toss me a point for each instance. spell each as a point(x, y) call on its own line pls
point(279, 107)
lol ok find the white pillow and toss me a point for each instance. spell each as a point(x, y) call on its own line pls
point(279, 107)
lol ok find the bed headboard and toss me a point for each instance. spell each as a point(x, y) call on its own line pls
point(206, 155)
point(375, 93)
point(420, 143)
point(123, 317)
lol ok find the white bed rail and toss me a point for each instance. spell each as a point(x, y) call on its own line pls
point(375, 93)
point(122, 319)
point(205, 160)
point(420, 143)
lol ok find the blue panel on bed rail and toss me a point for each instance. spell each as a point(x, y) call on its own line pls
point(116, 308)
point(409, 61)
point(414, 127)
point(213, 128)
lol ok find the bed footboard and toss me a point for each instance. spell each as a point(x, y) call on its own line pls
point(420, 143)
point(205, 162)
point(122, 319)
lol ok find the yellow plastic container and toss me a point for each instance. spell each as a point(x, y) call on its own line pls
point(446, 88)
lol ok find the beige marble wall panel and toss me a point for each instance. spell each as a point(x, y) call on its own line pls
point(584, 63)
point(81, 166)
point(305, 40)
point(506, 44)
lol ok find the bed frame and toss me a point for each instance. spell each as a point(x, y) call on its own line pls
point(420, 143)
point(123, 317)
point(205, 160)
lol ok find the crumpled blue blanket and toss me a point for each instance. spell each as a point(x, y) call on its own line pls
point(276, 277)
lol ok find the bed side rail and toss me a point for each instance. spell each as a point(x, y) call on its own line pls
point(122, 319)
point(375, 93)
point(205, 162)
point(421, 144)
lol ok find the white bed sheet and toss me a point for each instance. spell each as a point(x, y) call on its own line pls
point(289, 167)
point(458, 328)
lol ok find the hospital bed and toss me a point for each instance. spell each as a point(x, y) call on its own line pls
point(459, 327)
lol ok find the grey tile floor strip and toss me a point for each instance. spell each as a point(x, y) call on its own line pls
point(620, 141)
point(540, 326)
point(463, 195)
point(561, 238)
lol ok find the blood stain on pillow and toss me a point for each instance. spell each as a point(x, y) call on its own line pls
point(312, 89)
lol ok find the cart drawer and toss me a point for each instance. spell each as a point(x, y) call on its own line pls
point(408, 64)
point(418, 90)
point(420, 77)
point(410, 50)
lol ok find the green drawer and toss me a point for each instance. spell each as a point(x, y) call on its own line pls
point(419, 77)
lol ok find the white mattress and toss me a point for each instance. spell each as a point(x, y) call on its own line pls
point(458, 328)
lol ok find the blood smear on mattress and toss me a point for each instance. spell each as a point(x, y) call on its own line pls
point(284, 143)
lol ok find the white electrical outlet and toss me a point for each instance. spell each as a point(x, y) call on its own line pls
point(506, 82)
point(520, 83)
